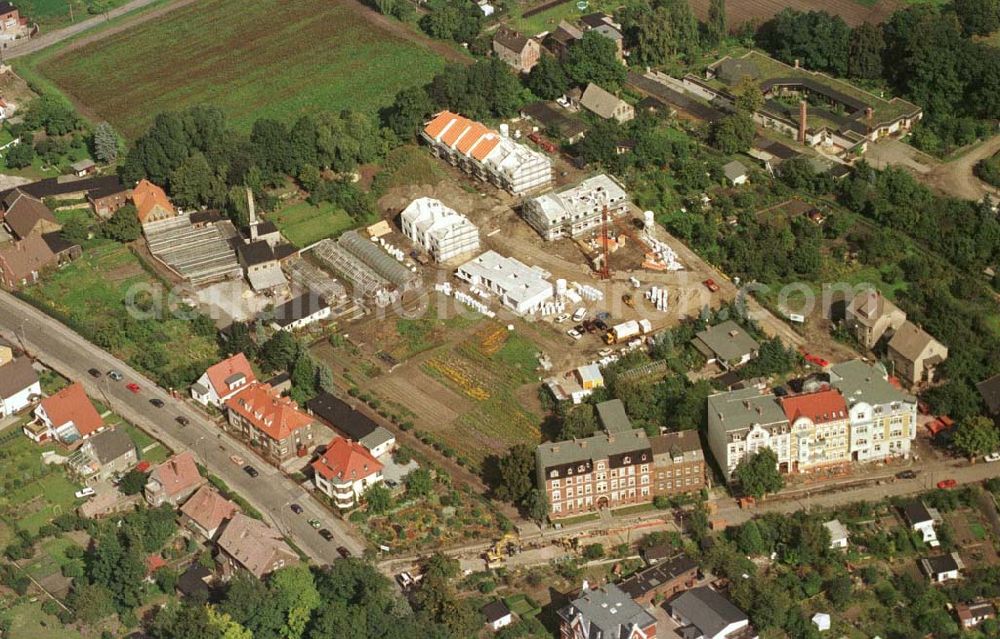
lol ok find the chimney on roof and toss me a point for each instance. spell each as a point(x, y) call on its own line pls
point(251, 215)
point(803, 117)
point(796, 63)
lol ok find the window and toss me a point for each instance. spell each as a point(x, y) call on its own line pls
point(627, 460)
point(554, 473)
point(554, 483)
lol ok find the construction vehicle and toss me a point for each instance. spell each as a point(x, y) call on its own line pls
point(505, 547)
point(628, 300)
point(627, 330)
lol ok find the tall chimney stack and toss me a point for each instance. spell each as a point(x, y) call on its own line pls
point(251, 215)
point(803, 120)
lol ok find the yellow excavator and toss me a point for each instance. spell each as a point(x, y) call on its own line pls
point(507, 546)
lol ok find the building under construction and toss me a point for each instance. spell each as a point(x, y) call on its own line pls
point(371, 272)
point(198, 253)
point(575, 211)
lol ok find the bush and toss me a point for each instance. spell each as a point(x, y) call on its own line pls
point(593, 551)
point(50, 607)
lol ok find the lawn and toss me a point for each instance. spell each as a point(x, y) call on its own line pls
point(304, 224)
point(155, 455)
point(29, 622)
point(52, 14)
point(268, 58)
point(548, 20)
point(52, 558)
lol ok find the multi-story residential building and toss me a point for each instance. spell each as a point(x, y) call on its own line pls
point(221, 381)
point(173, 481)
point(251, 545)
point(520, 287)
point(678, 463)
point(607, 470)
point(605, 612)
point(516, 49)
point(915, 354)
point(107, 454)
point(207, 511)
point(274, 424)
point(68, 416)
point(870, 316)
point(574, 211)
point(703, 613)
point(441, 231)
point(820, 430)
point(742, 422)
point(345, 471)
point(883, 418)
point(486, 154)
point(19, 385)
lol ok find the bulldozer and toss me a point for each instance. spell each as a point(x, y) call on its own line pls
point(507, 546)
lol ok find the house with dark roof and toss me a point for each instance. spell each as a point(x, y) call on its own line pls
point(942, 568)
point(974, 613)
point(726, 344)
point(678, 463)
point(517, 50)
point(605, 612)
point(497, 615)
point(352, 423)
point(613, 417)
point(104, 456)
point(989, 390)
point(553, 118)
point(24, 214)
point(19, 385)
point(922, 520)
point(915, 355)
point(605, 25)
point(661, 581)
point(194, 582)
point(705, 614)
point(562, 38)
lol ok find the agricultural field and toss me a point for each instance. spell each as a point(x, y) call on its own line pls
point(52, 14)
point(328, 55)
point(854, 12)
point(304, 224)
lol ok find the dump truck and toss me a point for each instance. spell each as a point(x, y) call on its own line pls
point(627, 330)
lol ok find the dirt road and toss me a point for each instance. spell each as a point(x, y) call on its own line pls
point(956, 177)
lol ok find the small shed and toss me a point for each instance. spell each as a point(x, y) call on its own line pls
point(736, 173)
point(822, 621)
point(83, 168)
point(838, 533)
point(497, 615)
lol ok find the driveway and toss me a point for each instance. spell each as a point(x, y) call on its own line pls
point(271, 493)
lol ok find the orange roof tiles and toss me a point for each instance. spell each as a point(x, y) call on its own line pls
point(455, 131)
point(147, 196)
point(276, 417)
point(438, 124)
point(820, 407)
point(486, 144)
point(208, 509)
point(227, 368)
point(346, 461)
point(472, 136)
point(71, 404)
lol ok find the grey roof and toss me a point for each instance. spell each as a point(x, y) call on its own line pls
point(869, 306)
point(109, 445)
point(609, 612)
point(741, 409)
point(655, 576)
point(15, 376)
point(837, 530)
point(734, 170)
point(684, 443)
point(707, 610)
point(613, 417)
point(595, 447)
point(732, 71)
point(601, 102)
point(910, 341)
point(728, 341)
point(916, 513)
point(81, 165)
point(990, 390)
point(608, 32)
point(861, 382)
point(376, 259)
point(511, 39)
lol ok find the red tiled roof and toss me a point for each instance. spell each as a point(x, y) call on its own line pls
point(178, 474)
point(820, 407)
point(154, 562)
point(466, 136)
point(472, 136)
point(486, 144)
point(346, 460)
point(219, 373)
point(277, 417)
point(438, 124)
point(208, 509)
point(147, 196)
point(71, 404)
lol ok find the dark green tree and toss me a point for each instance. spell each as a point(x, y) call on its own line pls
point(547, 79)
point(758, 473)
point(978, 17)
point(419, 483)
point(516, 473)
point(717, 25)
point(408, 112)
point(976, 436)
point(123, 226)
point(593, 58)
point(734, 133)
point(865, 52)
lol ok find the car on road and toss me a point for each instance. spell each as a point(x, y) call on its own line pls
point(344, 552)
point(132, 386)
point(711, 285)
point(157, 402)
point(296, 509)
point(236, 459)
point(992, 457)
point(906, 474)
point(947, 483)
point(575, 334)
point(85, 492)
point(579, 314)
point(562, 318)
point(326, 534)
point(250, 470)
point(94, 373)
point(115, 375)
point(315, 523)
point(183, 421)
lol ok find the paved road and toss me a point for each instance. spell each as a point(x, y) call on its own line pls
point(271, 493)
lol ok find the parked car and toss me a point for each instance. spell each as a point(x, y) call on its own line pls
point(992, 457)
point(575, 334)
point(132, 386)
point(250, 470)
point(236, 459)
point(315, 523)
point(115, 375)
point(947, 483)
point(296, 509)
point(94, 373)
point(562, 318)
point(343, 551)
point(85, 492)
point(906, 474)
point(183, 421)
point(579, 314)
point(156, 402)
point(711, 285)
point(326, 534)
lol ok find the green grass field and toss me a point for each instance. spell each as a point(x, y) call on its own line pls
point(549, 20)
point(303, 224)
point(29, 622)
point(261, 59)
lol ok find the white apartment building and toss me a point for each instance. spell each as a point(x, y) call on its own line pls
point(574, 211)
point(487, 154)
point(441, 231)
point(520, 287)
point(883, 418)
point(743, 422)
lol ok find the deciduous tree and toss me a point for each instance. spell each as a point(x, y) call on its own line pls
point(758, 473)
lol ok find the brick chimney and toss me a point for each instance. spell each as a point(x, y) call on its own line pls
point(803, 120)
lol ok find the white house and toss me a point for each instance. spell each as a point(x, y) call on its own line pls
point(441, 231)
point(838, 533)
point(577, 210)
point(300, 312)
point(497, 615)
point(704, 613)
point(942, 568)
point(822, 621)
point(736, 173)
point(67, 416)
point(922, 520)
point(345, 471)
point(223, 380)
point(18, 385)
point(520, 287)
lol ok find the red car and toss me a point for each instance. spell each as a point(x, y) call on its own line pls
point(947, 483)
point(132, 386)
point(711, 285)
